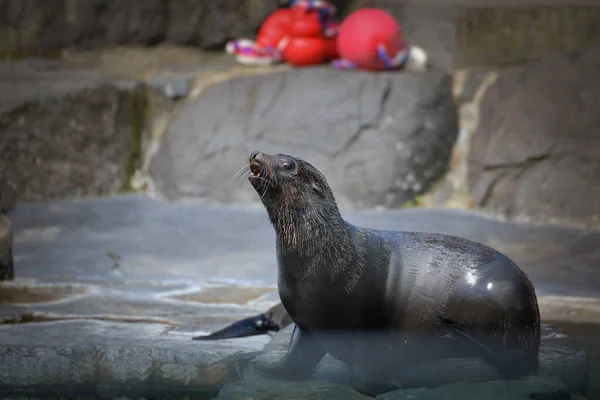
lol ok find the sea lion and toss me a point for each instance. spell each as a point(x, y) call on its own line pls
point(272, 320)
point(381, 301)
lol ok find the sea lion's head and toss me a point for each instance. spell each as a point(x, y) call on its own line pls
point(291, 189)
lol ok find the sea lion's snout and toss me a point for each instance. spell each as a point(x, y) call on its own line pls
point(261, 176)
point(256, 154)
point(256, 164)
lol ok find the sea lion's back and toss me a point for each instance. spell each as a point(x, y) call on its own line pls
point(458, 273)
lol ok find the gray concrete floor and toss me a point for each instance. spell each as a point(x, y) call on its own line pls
point(130, 272)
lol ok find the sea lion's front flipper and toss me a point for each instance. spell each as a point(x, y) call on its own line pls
point(251, 326)
point(303, 355)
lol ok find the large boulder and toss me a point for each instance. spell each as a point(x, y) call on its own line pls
point(380, 138)
point(534, 153)
point(45, 27)
point(72, 133)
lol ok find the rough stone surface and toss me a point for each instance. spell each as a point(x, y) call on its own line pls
point(393, 130)
point(8, 195)
point(429, 25)
point(254, 387)
point(560, 356)
point(70, 133)
point(6, 258)
point(533, 156)
point(142, 357)
point(530, 388)
point(47, 26)
point(499, 36)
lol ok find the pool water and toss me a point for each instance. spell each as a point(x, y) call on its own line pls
point(588, 336)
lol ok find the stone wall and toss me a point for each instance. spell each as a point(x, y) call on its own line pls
point(503, 36)
point(46, 27)
point(536, 150)
point(525, 88)
point(458, 39)
point(71, 133)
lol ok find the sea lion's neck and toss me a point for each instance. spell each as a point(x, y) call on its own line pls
point(305, 231)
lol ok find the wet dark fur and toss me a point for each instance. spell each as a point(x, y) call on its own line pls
point(423, 295)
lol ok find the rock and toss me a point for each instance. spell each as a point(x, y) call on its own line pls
point(234, 18)
point(6, 257)
point(254, 387)
point(533, 157)
point(8, 194)
point(501, 35)
point(529, 388)
point(111, 358)
point(173, 87)
point(560, 357)
point(394, 131)
point(430, 25)
point(47, 27)
point(69, 135)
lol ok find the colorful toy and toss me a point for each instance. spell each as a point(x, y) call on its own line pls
point(304, 34)
point(312, 35)
point(269, 44)
point(371, 39)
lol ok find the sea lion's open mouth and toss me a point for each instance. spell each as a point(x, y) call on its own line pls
point(255, 170)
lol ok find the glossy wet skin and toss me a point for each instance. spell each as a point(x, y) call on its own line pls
point(425, 295)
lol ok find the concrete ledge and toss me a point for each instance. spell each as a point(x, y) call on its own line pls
point(113, 358)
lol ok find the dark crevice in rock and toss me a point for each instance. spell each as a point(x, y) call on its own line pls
point(527, 163)
point(502, 171)
point(365, 126)
point(489, 190)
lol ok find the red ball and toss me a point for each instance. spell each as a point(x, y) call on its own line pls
point(306, 23)
point(362, 32)
point(331, 50)
point(274, 28)
point(305, 51)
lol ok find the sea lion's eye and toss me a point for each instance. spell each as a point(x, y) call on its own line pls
point(287, 165)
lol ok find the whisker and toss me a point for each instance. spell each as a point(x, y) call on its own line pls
point(269, 182)
point(245, 174)
point(264, 191)
point(241, 171)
